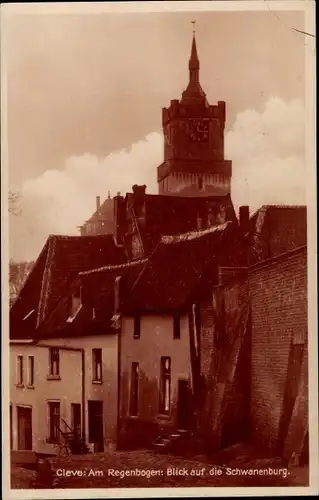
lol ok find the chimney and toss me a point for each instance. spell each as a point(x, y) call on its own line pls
point(139, 190)
point(244, 218)
point(98, 202)
point(139, 202)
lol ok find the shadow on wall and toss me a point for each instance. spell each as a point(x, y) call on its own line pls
point(225, 416)
point(139, 431)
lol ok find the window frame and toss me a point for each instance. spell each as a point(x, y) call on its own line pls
point(20, 371)
point(54, 434)
point(97, 360)
point(165, 376)
point(54, 357)
point(31, 370)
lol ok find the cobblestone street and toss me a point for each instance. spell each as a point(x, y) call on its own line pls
point(146, 469)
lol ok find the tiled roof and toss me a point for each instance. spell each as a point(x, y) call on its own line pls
point(105, 212)
point(60, 261)
point(177, 265)
point(277, 229)
point(164, 281)
point(167, 215)
point(98, 302)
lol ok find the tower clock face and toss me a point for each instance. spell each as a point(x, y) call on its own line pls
point(199, 130)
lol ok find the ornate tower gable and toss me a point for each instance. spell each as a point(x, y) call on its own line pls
point(194, 141)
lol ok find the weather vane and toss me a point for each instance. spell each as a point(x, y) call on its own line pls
point(194, 26)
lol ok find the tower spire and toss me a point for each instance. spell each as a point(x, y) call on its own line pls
point(193, 90)
point(193, 61)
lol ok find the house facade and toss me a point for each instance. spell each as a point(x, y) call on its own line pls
point(163, 331)
point(155, 367)
point(42, 395)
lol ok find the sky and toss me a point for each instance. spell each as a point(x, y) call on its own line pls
point(84, 99)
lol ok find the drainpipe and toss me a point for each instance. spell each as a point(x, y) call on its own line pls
point(119, 353)
point(83, 395)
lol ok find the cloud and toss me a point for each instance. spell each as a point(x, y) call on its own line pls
point(267, 150)
point(58, 201)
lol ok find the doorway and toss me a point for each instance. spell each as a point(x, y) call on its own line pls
point(76, 419)
point(184, 406)
point(95, 410)
point(24, 415)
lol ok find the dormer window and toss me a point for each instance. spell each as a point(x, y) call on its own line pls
point(76, 303)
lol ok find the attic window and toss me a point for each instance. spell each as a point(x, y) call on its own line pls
point(76, 303)
point(28, 315)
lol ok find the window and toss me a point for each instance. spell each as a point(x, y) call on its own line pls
point(20, 370)
point(97, 365)
point(31, 371)
point(134, 389)
point(54, 361)
point(177, 326)
point(54, 422)
point(137, 327)
point(76, 303)
point(165, 385)
point(200, 183)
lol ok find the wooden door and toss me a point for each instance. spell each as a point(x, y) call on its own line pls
point(184, 408)
point(96, 425)
point(24, 415)
point(76, 418)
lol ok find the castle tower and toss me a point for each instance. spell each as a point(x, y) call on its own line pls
point(194, 163)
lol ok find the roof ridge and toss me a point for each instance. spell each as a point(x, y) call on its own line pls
point(45, 280)
point(115, 266)
point(192, 235)
point(55, 237)
point(266, 207)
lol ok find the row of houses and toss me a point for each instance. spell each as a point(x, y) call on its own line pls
point(200, 325)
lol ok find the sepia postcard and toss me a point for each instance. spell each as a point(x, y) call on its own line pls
point(159, 242)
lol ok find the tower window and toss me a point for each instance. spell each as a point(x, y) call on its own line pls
point(200, 183)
